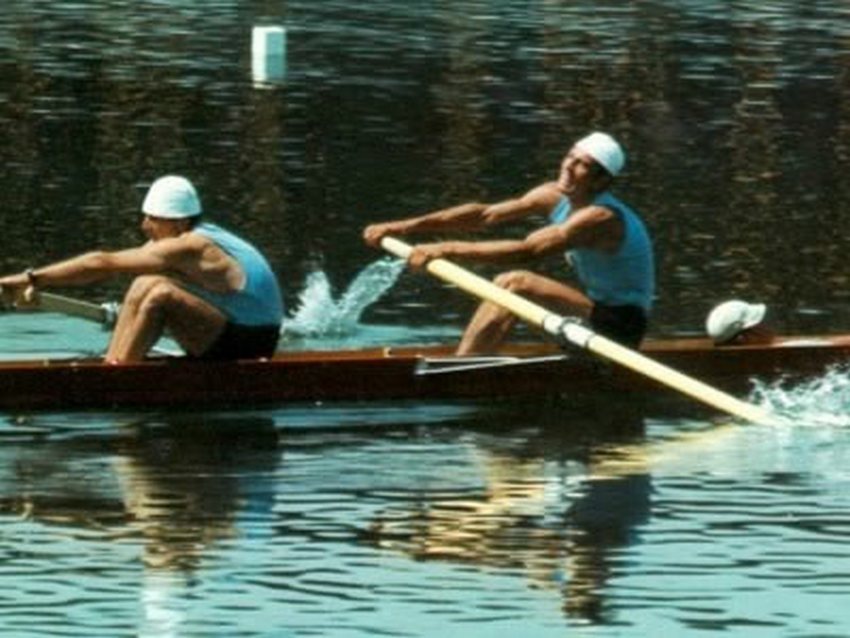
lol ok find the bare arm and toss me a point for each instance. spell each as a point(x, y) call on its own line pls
point(468, 217)
point(153, 257)
point(593, 227)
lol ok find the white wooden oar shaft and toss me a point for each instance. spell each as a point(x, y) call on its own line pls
point(575, 333)
point(51, 302)
point(675, 379)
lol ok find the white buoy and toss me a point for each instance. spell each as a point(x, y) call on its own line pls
point(268, 55)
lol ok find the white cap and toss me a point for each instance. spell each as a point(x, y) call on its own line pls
point(172, 197)
point(731, 317)
point(605, 150)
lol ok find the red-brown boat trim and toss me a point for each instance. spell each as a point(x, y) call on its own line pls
point(396, 373)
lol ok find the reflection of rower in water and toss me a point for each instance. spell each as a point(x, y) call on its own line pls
point(174, 487)
point(609, 506)
point(185, 486)
point(517, 520)
point(165, 485)
point(182, 486)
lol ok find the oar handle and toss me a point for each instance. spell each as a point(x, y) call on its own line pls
point(396, 247)
point(580, 335)
point(475, 285)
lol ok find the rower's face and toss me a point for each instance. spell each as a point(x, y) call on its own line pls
point(579, 172)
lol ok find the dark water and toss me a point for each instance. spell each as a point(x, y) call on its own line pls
point(732, 113)
point(579, 518)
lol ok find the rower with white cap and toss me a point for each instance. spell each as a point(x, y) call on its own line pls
point(740, 323)
point(606, 243)
point(210, 290)
point(737, 322)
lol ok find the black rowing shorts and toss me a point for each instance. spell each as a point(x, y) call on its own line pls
point(623, 324)
point(243, 342)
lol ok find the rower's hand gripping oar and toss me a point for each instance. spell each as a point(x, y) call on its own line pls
point(561, 327)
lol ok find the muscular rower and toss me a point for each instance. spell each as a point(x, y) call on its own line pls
point(604, 240)
point(210, 290)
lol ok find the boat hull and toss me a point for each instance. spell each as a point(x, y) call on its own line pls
point(393, 373)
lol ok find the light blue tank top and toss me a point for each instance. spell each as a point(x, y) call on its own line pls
point(259, 302)
point(626, 277)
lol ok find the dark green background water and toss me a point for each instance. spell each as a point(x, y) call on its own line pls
point(732, 112)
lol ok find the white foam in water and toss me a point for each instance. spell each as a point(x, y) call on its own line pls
point(318, 314)
point(824, 400)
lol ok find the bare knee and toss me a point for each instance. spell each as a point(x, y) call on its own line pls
point(141, 288)
point(152, 295)
point(514, 280)
point(161, 297)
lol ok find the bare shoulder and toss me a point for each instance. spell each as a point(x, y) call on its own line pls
point(187, 245)
point(595, 227)
point(543, 196)
point(593, 215)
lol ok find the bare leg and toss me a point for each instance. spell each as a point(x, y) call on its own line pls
point(156, 304)
point(491, 324)
point(486, 330)
point(125, 326)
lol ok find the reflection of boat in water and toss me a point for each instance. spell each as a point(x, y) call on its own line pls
point(394, 373)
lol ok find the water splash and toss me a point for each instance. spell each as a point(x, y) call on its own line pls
point(824, 400)
point(319, 315)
